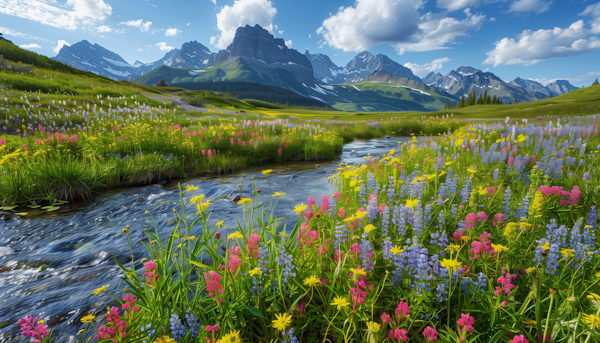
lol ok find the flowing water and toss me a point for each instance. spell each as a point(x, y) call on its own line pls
point(75, 247)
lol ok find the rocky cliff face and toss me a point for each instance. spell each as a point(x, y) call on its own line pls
point(365, 61)
point(96, 59)
point(323, 67)
point(560, 87)
point(257, 43)
point(192, 55)
point(530, 85)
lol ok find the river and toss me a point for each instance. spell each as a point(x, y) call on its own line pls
point(77, 244)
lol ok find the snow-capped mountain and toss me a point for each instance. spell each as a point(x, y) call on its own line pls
point(465, 80)
point(323, 68)
point(360, 67)
point(96, 59)
point(192, 55)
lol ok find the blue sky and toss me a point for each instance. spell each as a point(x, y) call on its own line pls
point(532, 39)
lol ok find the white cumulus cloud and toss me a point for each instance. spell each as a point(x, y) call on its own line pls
point(30, 46)
point(424, 69)
point(80, 12)
point(371, 22)
point(104, 28)
point(214, 1)
point(453, 5)
point(172, 32)
point(288, 43)
point(144, 27)
point(594, 11)
point(164, 47)
point(242, 13)
point(437, 30)
point(538, 6)
point(10, 32)
point(61, 43)
point(531, 47)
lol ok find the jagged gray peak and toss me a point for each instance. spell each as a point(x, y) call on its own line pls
point(465, 80)
point(96, 59)
point(323, 67)
point(530, 85)
point(433, 78)
point(560, 87)
point(366, 61)
point(256, 42)
point(192, 55)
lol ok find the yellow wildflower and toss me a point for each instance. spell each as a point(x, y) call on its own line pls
point(284, 234)
point(452, 248)
point(450, 264)
point(370, 228)
point(592, 319)
point(396, 250)
point(510, 229)
point(567, 253)
point(236, 234)
point(267, 172)
point(87, 319)
point(412, 203)
point(499, 248)
point(300, 208)
point(373, 326)
point(472, 170)
point(219, 224)
point(244, 201)
point(340, 302)
point(282, 321)
point(593, 296)
point(101, 289)
point(255, 271)
point(361, 214)
point(311, 281)
point(530, 270)
point(278, 194)
point(196, 199)
point(190, 188)
point(231, 337)
point(359, 272)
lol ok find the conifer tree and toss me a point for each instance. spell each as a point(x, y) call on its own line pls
point(596, 83)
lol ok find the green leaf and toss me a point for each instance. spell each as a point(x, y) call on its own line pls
point(8, 208)
point(21, 214)
point(197, 264)
point(52, 208)
point(256, 312)
point(34, 206)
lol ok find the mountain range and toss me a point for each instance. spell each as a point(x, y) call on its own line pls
point(367, 83)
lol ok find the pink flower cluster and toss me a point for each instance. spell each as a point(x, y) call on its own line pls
point(213, 283)
point(359, 293)
point(483, 246)
point(2, 142)
point(398, 334)
point(129, 300)
point(32, 328)
point(234, 260)
point(505, 284)
point(252, 245)
point(569, 198)
point(430, 334)
point(306, 236)
point(465, 325)
point(519, 339)
point(115, 328)
point(402, 311)
point(150, 272)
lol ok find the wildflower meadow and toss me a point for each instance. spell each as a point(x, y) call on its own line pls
point(484, 234)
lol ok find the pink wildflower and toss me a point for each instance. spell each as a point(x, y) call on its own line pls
point(324, 203)
point(402, 311)
point(430, 334)
point(150, 275)
point(30, 329)
point(519, 339)
point(386, 318)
